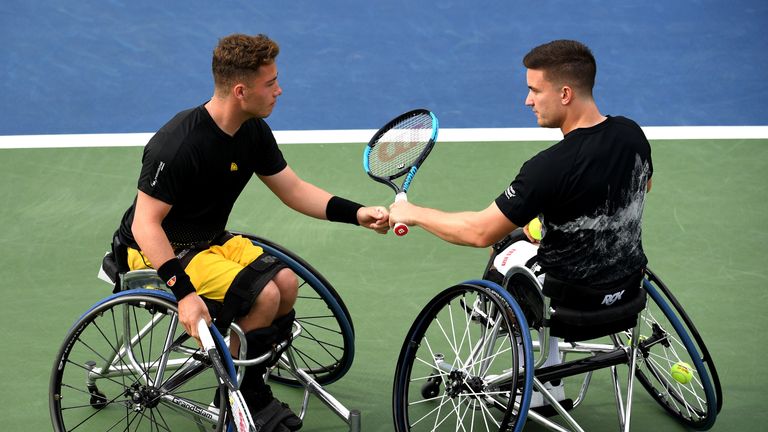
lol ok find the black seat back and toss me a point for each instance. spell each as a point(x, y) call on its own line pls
point(588, 312)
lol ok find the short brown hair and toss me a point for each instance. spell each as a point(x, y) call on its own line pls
point(239, 55)
point(564, 62)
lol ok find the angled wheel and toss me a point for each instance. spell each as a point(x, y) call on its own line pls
point(127, 364)
point(668, 338)
point(325, 349)
point(462, 365)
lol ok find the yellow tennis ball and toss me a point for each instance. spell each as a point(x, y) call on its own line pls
point(681, 372)
point(534, 228)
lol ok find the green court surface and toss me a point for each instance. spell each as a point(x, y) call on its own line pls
point(705, 234)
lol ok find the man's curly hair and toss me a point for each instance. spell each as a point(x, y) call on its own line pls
point(238, 56)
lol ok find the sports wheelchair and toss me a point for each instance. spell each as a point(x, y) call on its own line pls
point(468, 363)
point(127, 363)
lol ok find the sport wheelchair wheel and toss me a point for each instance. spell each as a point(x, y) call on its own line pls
point(463, 363)
point(668, 337)
point(127, 364)
point(326, 346)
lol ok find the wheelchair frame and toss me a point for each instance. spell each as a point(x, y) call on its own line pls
point(481, 395)
point(127, 357)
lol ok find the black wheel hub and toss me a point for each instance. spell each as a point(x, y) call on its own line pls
point(141, 397)
point(459, 383)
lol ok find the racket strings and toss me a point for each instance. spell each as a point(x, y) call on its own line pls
point(401, 146)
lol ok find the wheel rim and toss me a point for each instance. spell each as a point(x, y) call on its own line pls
point(447, 370)
point(325, 348)
point(147, 388)
point(665, 340)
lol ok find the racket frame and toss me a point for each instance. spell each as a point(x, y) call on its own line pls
point(410, 169)
point(401, 229)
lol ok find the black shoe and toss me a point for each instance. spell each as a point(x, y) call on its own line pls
point(269, 412)
point(276, 417)
point(290, 419)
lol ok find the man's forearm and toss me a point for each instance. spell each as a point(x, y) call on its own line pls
point(456, 228)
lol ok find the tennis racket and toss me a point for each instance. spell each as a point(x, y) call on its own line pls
point(241, 417)
point(399, 148)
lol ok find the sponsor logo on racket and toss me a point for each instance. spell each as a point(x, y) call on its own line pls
point(390, 150)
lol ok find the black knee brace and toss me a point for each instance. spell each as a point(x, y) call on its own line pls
point(259, 342)
point(284, 325)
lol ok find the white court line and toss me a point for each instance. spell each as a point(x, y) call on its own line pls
point(361, 136)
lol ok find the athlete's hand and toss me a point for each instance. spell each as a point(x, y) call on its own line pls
point(402, 212)
point(192, 308)
point(375, 218)
point(528, 234)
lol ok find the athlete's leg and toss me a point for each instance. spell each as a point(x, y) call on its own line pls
point(261, 338)
point(263, 293)
point(288, 285)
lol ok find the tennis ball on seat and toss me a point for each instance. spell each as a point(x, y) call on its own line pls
point(681, 372)
point(534, 228)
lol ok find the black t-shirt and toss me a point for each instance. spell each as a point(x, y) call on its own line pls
point(589, 190)
point(194, 166)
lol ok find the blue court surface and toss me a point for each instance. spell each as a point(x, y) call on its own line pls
point(94, 66)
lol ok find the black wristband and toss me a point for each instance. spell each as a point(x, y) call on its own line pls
point(342, 210)
point(174, 276)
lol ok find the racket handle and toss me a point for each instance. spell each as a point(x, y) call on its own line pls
point(400, 229)
point(205, 336)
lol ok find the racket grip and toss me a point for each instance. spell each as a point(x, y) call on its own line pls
point(205, 336)
point(400, 229)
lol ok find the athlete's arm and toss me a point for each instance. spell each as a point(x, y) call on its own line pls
point(298, 194)
point(148, 231)
point(149, 234)
point(312, 201)
point(471, 228)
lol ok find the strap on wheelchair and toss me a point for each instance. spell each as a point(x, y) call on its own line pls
point(246, 286)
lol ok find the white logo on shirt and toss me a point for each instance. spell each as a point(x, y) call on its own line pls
point(157, 173)
point(510, 192)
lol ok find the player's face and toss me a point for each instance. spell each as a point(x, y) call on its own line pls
point(544, 98)
point(261, 92)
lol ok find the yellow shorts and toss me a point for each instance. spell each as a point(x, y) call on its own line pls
point(211, 270)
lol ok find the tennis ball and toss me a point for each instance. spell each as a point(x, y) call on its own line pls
point(681, 372)
point(534, 228)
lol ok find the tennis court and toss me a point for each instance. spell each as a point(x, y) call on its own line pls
point(66, 202)
point(704, 229)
